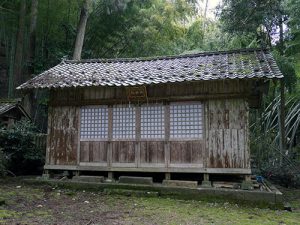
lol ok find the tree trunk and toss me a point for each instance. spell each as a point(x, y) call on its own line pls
point(32, 37)
point(18, 63)
point(205, 14)
point(282, 121)
point(11, 68)
point(29, 102)
point(81, 30)
point(282, 96)
point(281, 44)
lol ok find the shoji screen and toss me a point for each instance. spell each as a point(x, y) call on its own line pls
point(124, 122)
point(186, 120)
point(152, 122)
point(94, 122)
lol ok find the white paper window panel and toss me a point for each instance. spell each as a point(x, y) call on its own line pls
point(124, 122)
point(186, 120)
point(152, 121)
point(94, 122)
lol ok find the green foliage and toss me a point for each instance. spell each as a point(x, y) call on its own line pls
point(19, 148)
point(56, 31)
point(293, 10)
point(2, 163)
point(285, 174)
point(142, 28)
point(248, 16)
point(268, 159)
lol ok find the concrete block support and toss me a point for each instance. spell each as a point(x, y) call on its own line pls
point(96, 179)
point(180, 183)
point(110, 175)
point(77, 173)
point(206, 183)
point(46, 176)
point(136, 180)
point(247, 183)
point(168, 176)
point(205, 177)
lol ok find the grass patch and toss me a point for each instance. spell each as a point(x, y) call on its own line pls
point(42, 205)
point(5, 214)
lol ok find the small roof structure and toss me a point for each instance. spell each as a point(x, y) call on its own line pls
point(6, 105)
point(234, 64)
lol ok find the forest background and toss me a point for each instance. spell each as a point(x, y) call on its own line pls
point(37, 34)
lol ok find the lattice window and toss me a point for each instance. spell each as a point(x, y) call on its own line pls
point(124, 122)
point(94, 122)
point(186, 120)
point(152, 121)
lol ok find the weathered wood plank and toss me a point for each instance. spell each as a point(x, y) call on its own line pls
point(225, 140)
point(64, 135)
point(227, 132)
point(123, 151)
point(227, 149)
point(197, 90)
point(234, 147)
point(152, 152)
point(84, 152)
point(131, 168)
point(186, 152)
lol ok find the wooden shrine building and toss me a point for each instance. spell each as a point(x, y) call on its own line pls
point(174, 114)
point(11, 111)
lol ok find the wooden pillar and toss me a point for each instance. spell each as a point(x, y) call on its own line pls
point(168, 176)
point(167, 136)
point(137, 145)
point(77, 173)
point(110, 175)
point(46, 175)
point(247, 183)
point(206, 183)
point(247, 177)
point(110, 136)
point(205, 177)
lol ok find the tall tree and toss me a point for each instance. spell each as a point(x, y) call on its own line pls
point(81, 30)
point(205, 12)
point(32, 37)
point(18, 63)
point(257, 16)
point(29, 100)
point(293, 10)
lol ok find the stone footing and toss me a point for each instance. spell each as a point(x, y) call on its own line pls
point(136, 180)
point(180, 183)
point(46, 176)
point(97, 179)
point(206, 184)
point(247, 185)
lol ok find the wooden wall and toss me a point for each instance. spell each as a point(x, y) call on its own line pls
point(62, 141)
point(159, 93)
point(225, 142)
point(227, 134)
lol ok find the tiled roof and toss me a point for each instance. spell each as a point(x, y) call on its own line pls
point(6, 105)
point(236, 64)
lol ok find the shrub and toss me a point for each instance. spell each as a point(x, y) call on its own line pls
point(2, 163)
point(19, 148)
point(285, 174)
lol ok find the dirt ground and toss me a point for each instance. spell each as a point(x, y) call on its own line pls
point(26, 204)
